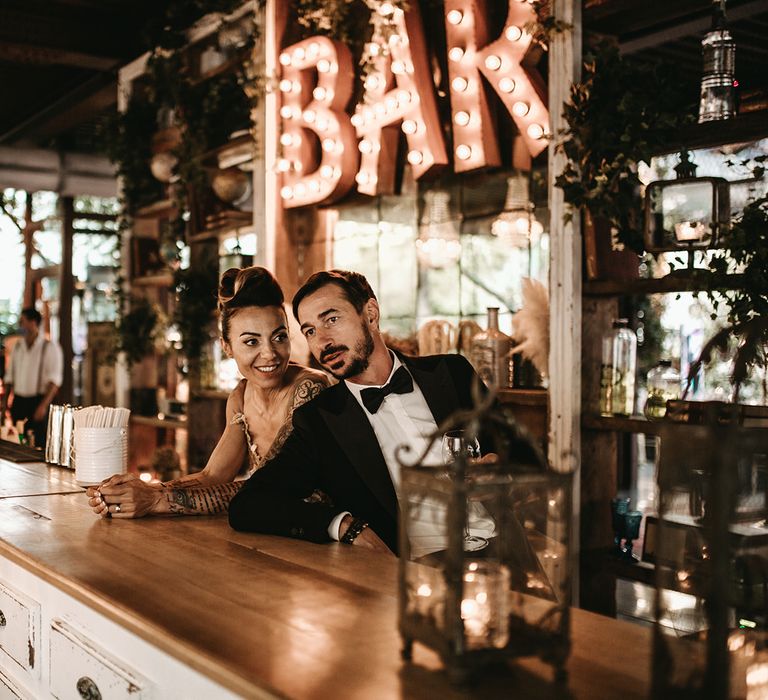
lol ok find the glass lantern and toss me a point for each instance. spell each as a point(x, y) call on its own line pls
point(685, 214)
point(710, 542)
point(485, 553)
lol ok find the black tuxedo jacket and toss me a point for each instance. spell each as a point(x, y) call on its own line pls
point(333, 448)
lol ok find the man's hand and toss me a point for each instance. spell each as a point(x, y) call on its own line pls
point(490, 458)
point(39, 413)
point(367, 539)
point(126, 496)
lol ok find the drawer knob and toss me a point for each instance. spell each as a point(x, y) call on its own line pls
point(2, 619)
point(88, 689)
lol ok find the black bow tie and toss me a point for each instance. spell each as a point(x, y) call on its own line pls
point(401, 383)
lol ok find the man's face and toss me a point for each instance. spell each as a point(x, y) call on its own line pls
point(27, 327)
point(338, 336)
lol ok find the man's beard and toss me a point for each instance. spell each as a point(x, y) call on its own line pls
point(360, 358)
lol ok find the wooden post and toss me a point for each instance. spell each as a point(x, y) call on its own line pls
point(66, 291)
point(28, 233)
point(564, 275)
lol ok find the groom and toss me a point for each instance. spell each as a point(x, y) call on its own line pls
point(344, 441)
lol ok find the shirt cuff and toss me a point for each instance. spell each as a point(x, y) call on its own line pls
point(335, 526)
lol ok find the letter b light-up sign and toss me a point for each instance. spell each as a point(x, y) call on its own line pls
point(305, 181)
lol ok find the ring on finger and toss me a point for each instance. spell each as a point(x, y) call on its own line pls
point(117, 508)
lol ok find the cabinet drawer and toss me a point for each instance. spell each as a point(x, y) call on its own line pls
point(81, 670)
point(19, 620)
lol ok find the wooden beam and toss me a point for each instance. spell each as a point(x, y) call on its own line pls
point(66, 291)
point(29, 54)
point(564, 276)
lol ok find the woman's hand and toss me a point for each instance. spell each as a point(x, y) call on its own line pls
point(125, 496)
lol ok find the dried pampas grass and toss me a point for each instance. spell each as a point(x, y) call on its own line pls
point(531, 325)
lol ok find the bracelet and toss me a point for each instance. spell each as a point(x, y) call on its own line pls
point(357, 526)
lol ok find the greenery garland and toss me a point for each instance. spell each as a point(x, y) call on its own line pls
point(195, 305)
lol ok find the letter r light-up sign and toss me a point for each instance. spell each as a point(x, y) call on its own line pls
point(399, 94)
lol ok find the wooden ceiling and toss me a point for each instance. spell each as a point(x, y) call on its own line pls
point(673, 30)
point(59, 61)
point(59, 58)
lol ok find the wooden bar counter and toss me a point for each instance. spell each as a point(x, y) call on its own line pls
point(188, 608)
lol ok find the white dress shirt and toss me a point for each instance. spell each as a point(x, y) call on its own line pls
point(24, 370)
point(405, 419)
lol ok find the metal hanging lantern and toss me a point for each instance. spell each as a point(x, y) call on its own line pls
point(709, 541)
point(688, 213)
point(484, 550)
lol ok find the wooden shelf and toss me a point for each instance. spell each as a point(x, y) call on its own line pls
point(211, 157)
point(163, 279)
point(620, 424)
point(523, 397)
point(745, 127)
point(656, 285)
point(155, 422)
point(158, 208)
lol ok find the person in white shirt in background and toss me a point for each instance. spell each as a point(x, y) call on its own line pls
point(33, 376)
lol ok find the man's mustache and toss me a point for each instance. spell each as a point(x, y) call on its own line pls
point(331, 351)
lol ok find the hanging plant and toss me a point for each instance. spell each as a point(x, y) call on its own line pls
point(623, 111)
point(137, 331)
point(195, 306)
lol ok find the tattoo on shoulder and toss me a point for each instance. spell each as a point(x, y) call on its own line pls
point(306, 390)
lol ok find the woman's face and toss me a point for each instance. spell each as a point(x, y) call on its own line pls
point(259, 343)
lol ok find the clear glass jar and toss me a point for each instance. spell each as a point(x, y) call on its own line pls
point(623, 366)
point(663, 385)
point(490, 352)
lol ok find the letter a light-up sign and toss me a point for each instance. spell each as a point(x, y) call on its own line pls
point(304, 180)
point(398, 91)
point(521, 89)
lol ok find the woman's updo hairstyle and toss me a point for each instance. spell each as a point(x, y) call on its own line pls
point(241, 288)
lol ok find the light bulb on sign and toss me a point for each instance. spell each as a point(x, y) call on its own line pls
point(309, 116)
point(459, 84)
point(286, 139)
point(506, 85)
point(319, 93)
point(286, 86)
point(461, 118)
point(299, 54)
point(513, 33)
point(520, 109)
point(323, 65)
point(283, 165)
point(456, 54)
point(455, 16)
point(535, 131)
point(493, 62)
point(286, 112)
point(286, 192)
point(463, 152)
point(285, 59)
point(415, 157)
point(409, 126)
point(365, 146)
point(386, 9)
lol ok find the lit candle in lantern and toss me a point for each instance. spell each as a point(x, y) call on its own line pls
point(689, 231)
point(484, 605)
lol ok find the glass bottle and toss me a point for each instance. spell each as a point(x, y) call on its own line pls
point(490, 352)
point(663, 385)
point(623, 364)
point(606, 375)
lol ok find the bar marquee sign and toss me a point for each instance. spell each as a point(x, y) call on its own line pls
point(360, 150)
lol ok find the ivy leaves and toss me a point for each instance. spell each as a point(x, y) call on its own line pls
point(623, 112)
